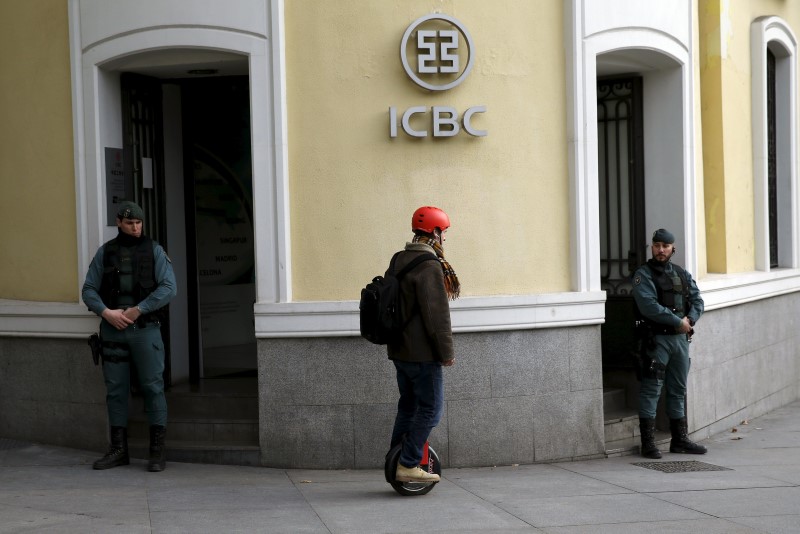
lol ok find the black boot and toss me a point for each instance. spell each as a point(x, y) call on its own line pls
point(117, 451)
point(680, 438)
point(158, 451)
point(648, 430)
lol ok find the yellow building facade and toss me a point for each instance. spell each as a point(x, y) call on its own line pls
point(279, 148)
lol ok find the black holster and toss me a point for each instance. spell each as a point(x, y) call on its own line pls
point(646, 366)
point(96, 344)
point(652, 368)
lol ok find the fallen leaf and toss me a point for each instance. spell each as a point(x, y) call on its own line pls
point(734, 429)
point(305, 482)
point(737, 437)
point(745, 422)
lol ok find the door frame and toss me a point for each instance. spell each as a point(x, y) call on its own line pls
point(664, 57)
point(105, 43)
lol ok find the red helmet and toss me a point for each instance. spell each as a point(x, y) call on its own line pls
point(428, 218)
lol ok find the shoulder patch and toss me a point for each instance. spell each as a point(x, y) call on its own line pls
point(637, 280)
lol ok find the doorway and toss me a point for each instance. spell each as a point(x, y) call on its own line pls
point(642, 176)
point(620, 136)
point(187, 147)
point(219, 195)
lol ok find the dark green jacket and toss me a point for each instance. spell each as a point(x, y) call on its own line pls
point(428, 336)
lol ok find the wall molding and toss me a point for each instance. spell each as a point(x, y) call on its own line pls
point(469, 314)
point(726, 290)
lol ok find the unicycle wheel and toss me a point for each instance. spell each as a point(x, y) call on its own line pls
point(431, 464)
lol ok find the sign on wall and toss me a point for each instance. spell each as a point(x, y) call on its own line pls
point(437, 54)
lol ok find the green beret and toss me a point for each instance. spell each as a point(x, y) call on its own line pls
point(663, 236)
point(130, 210)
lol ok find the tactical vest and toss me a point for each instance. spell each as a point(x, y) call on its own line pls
point(669, 287)
point(128, 273)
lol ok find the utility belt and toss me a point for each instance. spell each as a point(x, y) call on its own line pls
point(662, 330)
point(146, 320)
point(659, 330)
point(108, 351)
point(114, 351)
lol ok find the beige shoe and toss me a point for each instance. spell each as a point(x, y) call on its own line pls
point(414, 474)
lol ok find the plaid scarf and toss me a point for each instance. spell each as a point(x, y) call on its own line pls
point(451, 284)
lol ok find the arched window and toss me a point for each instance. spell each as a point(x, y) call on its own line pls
point(774, 90)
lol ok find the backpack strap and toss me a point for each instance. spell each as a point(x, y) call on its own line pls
point(413, 263)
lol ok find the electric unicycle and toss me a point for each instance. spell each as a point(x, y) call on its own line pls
point(430, 463)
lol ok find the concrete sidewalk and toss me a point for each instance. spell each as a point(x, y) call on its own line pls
point(756, 489)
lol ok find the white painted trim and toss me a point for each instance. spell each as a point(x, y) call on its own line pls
point(279, 123)
point(584, 201)
point(46, 319)
point(763, 31)
point(76, 71)
point(268, 123)
point(470, 314)
point(584, 215)
point(726, 290)
point(333, 318)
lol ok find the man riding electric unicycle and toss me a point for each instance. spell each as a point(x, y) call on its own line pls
point(425, 282)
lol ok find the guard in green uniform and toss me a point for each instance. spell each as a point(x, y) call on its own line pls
point(669, 304)
point(129, 280)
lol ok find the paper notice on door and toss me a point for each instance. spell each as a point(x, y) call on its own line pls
point(147, 173)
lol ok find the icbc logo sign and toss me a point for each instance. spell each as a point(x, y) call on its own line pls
point(437, 54)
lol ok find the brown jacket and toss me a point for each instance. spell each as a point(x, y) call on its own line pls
point(428, 336)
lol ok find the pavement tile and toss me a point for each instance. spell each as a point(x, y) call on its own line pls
point(643, 480)
point(218, 520)
point(123, 506)
point(706, 526)
point(26, 519)
point(178, 475)
point(789, 474)
point(69, 477)
point(31, 454)
point(498, 484)
point(447, 508)
point(245, 497)
point(739, 502)
point(754, 456)
point(305, 476)
point(595, 509)
point(776, 524)
point(53, 489)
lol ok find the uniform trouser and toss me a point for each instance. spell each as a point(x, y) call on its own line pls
point(144, 348)
point(673, 352)
point(419, 409)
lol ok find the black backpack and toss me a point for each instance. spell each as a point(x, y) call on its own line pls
point(379, 308)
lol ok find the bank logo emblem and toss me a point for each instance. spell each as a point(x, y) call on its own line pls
point(434, 60)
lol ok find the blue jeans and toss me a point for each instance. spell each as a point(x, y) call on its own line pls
point(419, 409)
